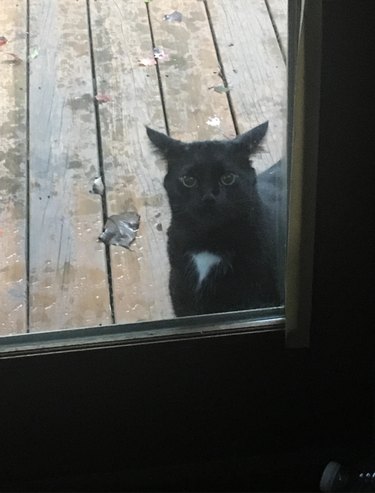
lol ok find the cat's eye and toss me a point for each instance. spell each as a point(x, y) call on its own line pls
point(188, 181)
point(228, 179)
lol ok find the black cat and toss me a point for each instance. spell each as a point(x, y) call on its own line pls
point(221, 241)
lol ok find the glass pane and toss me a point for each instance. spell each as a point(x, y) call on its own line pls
point(141, 159)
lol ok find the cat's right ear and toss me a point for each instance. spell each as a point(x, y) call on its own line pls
point(250, 140)
point(163, 142)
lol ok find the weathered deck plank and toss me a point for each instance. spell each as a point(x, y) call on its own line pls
point(68, 278)
point(279, 13)
point(255, 70)
point(191, 73)
point(13, 187)
point(133, 172)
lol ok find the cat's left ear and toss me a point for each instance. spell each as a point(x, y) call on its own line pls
point(251, 139)
point(163, 142)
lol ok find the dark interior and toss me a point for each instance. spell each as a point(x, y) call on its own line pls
point(234, 413)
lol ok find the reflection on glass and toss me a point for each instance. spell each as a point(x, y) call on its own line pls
point(82, 84)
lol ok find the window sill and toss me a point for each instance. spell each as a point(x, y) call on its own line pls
point(207, 326)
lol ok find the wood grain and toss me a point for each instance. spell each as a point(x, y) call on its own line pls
point(279, 14)
point(13, 187)
point(191, 73)
point(68, 278)
point(133, 171)
point(255, 71)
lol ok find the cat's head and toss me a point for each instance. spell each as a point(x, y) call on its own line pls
point(210, 181)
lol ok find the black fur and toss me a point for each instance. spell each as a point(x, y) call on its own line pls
point(229, 220)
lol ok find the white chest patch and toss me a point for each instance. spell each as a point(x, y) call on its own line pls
point(204, 262)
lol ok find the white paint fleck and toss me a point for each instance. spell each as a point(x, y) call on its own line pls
point(213, 121)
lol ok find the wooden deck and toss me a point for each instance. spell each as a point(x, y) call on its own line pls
point(56, 138)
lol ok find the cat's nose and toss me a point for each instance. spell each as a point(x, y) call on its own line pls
point(209, 198)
